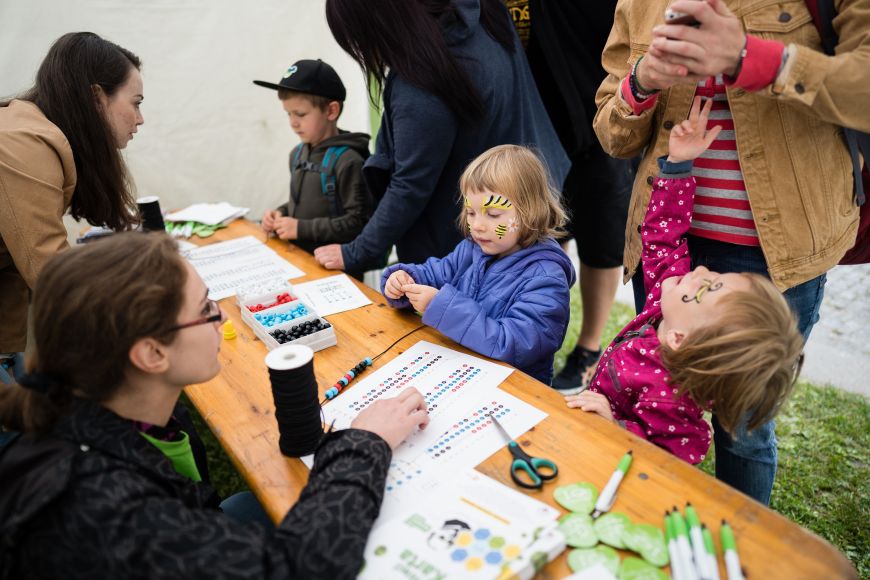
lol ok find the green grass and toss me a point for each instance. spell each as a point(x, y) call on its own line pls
point(823, 482)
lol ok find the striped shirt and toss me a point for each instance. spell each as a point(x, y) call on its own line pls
point(722, 210)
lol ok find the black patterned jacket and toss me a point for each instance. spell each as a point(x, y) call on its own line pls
point(110, 505)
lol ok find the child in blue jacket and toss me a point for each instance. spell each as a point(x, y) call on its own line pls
point(503, 291)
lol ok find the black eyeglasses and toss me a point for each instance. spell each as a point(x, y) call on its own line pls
point(211, 318)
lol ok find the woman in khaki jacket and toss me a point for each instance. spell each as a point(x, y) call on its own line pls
point(59, 152)
point(775, 195)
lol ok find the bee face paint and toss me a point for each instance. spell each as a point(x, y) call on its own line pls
point(492, 222)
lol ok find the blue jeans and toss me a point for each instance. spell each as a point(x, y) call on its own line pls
point(747, 461)
point(245, 508)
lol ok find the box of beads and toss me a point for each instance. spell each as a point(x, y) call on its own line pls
point(278, 314)
point(312, 331)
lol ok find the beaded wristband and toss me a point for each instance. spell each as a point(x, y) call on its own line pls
point(638, 91)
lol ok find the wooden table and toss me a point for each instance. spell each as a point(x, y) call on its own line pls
point(238, 406)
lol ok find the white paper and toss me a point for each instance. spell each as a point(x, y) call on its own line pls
point(473, 528)
point(227, 265)
point(332, 295)
point(460, 392)
point(208, 213)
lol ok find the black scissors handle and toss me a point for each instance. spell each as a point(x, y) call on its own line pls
point(536, 469)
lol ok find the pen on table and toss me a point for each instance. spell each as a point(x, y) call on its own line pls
point(711, 552)
point(701, 564)
point(673, 550)
point(608, 494)
point(685, 549)
point(729, 547)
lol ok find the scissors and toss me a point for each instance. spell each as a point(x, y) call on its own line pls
point(531, 466)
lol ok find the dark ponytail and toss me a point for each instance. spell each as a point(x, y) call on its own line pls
point(75, 63)
point(405, 36)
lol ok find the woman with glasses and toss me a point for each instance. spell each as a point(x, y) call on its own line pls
point(92, 489)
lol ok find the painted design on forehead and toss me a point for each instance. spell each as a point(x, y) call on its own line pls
point(706, 286)
point(501, 230)
point(497, 201)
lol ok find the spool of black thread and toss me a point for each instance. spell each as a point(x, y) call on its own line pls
point(149, 212)
point(297, 409)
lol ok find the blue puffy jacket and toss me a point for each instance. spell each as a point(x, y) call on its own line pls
point(514, 309)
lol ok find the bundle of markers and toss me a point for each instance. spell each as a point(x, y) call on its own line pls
point(692, 553)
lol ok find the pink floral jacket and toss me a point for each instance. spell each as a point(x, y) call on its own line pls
point(630, 373)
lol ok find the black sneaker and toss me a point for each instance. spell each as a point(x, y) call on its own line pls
point(573, 379)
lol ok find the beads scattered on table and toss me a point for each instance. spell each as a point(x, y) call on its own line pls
point(300, 330)
point(270, 320)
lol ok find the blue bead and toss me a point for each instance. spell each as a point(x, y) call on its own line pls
point(368, 361)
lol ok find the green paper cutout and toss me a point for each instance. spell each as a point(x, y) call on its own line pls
point(648, 541)
point(636, 569)
point(610, 527)
point(578, 530)
point(583, 558)
point(577, 497)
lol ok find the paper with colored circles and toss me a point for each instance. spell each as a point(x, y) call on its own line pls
point(475, 528)
point(461, 391)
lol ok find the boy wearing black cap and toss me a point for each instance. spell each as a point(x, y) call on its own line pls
point(329, 202)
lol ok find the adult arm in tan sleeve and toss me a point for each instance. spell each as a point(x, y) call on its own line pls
point(37, 177)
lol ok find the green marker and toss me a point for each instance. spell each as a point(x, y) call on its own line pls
point(711, 552)
point(685, 549)
point(701, 564)
point(673, 550)
point(729, 546)
point(608, 494)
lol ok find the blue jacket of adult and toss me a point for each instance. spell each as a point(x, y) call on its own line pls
point(422, 147)
point(514, 309)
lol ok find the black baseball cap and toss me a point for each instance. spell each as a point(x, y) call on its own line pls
point(314, 77)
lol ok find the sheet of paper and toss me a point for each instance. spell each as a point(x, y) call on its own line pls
point(473, 528)
point(332, 295)
point(227, 265)
point(208, 213)
point(461, 391)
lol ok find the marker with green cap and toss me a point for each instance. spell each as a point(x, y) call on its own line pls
point(682, 534)
point(711, 552)
point(729, 546)
point(701, 564)
point(608, 494)
point(673, 550)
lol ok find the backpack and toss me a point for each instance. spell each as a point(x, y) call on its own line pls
point(823, 13)
point(326, 169)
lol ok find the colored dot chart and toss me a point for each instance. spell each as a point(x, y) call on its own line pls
point(460, 391)
point(478, 548)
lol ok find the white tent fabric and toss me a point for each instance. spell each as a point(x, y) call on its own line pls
point(210, 134)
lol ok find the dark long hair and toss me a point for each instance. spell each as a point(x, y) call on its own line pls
point(75, 63)
point(405, 36)
point(110, 293)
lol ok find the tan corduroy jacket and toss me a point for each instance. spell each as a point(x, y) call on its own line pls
point(37, 180)
point(795, 162)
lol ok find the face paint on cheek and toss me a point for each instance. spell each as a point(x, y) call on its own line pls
point(512, 225)
point(501, 230)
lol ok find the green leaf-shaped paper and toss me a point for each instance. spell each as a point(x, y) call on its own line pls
point(583, 558)
point(636, 569)
point(610, 527)
point(577, 497)
point(578, 530)
point(648, 541)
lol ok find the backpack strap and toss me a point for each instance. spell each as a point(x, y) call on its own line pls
point(327, 178)
point(855, 140)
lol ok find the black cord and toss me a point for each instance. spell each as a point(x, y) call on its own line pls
point(406, 335)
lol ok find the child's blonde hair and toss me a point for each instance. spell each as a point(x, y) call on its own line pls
point(518, 174)
point(746, 361)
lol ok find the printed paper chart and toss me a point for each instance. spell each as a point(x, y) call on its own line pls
point(460, 392)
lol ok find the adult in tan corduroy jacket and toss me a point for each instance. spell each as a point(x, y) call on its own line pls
point(59, 147)
point(788, 101)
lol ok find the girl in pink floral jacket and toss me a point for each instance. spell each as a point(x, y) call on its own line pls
point(703, 340)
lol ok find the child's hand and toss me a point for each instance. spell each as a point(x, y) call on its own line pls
point(393, 287)
point(268, 221)
point(419, 295)
point(287, 228)
point(691, 138)
point(591, 402)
